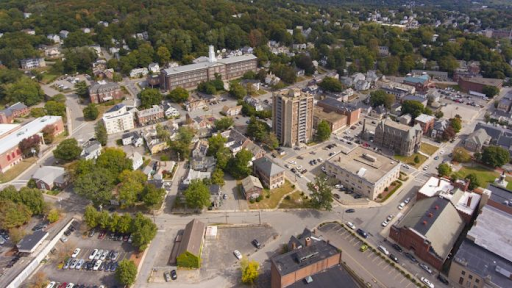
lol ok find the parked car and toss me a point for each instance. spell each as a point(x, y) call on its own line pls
point(397, 248)
point(383, 250)
point(411, 257)
point(390, 217)
point(167, 276)
point(384, 224)
point(174, 275)
point(93, 254)
point(98, 254)
point(407, 200)
point(256, 243)
point(75, 253)
point(425, 267)
point(401, 206)
point(426, 282)
point(79, 264)
point(237, 254)
point(442, 279)
point(363, 248)
point(351, 226)
point(63, 239)
point(97, 265)
point(393, 257)
point(350, 211)
point(362, 233)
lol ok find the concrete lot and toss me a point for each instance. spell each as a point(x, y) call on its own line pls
point(234, 200)
point(86, 244)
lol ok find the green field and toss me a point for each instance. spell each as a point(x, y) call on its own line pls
point(483, 174)
point(428, 149)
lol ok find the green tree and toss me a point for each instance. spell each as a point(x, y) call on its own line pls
point(67, 150)
point(412, 107)
point(163, 55)
point(48, 134)
point(104, 219)
point(416, 159)
point(144, 230)
point(113, 223)
point(223, 155)
point(238, 166)
point(91, 216)
point(215, 143)
point(218, 177)
point(37, 112)
point(331, 85)
point(224, 123)
point(461, 155)
point(473, 181)
point(152, 196)
point(114, 160)
point(96, 186)
point(56, 109)
point(179, 95)
point(33, 199)
point(321, 193)
point(439, 114)
point(250, 270)
point(101, 133)
point(495, 156)
point(24, 90)
point(490, 91)
point(81, 89)
point(91, 112)
point(456, 124)
point(444, 170)
point(237, 91)
point(257, 129)
point(61, 98)
point(149, 97)
point(126, 273)
point(124, 223)
point(13, 214)
point(271, 141)
point(323, 131)
point(197, 195)
point(53, 215)
point(380, 97)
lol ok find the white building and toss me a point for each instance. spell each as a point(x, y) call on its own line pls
point(138, 72)
point(32, 63)
point(118, 119)
point(136, 160)
point(172, 112)
point(55, 38)
point(154, 68)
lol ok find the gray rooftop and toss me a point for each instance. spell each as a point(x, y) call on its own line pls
point(192, 238)
point(14, 107)
point(205, 65)
point(50, 174)
point(335, 104)
point(499, 194)
point(30, 242)
point(267, 166)
point(333, 277)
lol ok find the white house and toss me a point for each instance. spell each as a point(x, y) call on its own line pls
point(86, 30)
point(55, 38)
point(136, 160)
point(63, 34)
point(154, 68)
point(172, 112)
point(139, 72)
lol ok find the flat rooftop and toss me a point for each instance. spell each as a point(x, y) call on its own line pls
point(499, 195)
point(25, 131)
point(435, 186)
point(6, 128)
point(30, 242)
point(205, 65)
point(335, 276)
point(355, 162)
point(493, 231)
point(484, 81)
point(328, 116)
point(290, 262)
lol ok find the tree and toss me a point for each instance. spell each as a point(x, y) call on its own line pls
point(473, 181)
point(257, 129)
point(61, 98)
point(149, 97)
point(104, 219)
point(448, 133)
point(444, 170)
point(81, 89)
point(416, 159)
point(218, 177)
point(30, 146)
point(197, 195)
point(101, 133)
point(321, 193)
point(48, 134)
point(331, 85)
point(237, 91)
point(17, 234)
point(37, 112)
point(224, 123)
point(144, 230)
point(439, 114)
point(55, 109)
point(91, 112)
point(412, 107)
point(114, 160)
point(380, 97)
point(215, 143)
point(461, 155)
point(124, 223)
point(130, 188)
point(323, 131)
point(238, 166)
point(249, 270)
point(270, 139)
point(152, 196)
point(126, 272)
point(24, 90)
point(178, 95)
point(91, 216)
point(53, 215)
point(163, 55)
point(303, 61)
point(495, 156)
point(39, 280)
point(32, 198)
point(67, 150)
point(96, 186)
point(490, 91)
point(13, 214)
point(456, 124)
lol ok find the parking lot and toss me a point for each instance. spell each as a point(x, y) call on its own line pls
point(80, 239)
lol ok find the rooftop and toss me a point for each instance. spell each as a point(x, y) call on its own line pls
point(417, 79)
point(204, 65)
point(5, 128)
point(359, 161)
point(435, 185)
point(499, 194)
point(25, 131)
point(335, 276)
point(251, 182)
point(30, 242)
point(424, 118)
point(266, 165)
point(192, 238)
point(484, 81)
point(414, 98)
point(49, 174)
point(337, 104)
point(150, 111)
point(328, 116)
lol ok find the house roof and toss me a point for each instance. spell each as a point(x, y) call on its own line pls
point(483, 81)
point(251, 182)
point(437, 220)
point(267, 166)
point(192, 238)
point(424, 118)
point(14, 107)
point(214, 189)
point(204, 65)
point(91, 146)
point(335, 104)
point(116, 107)
point(335, 276)
point(441, 125)
point(499, 194)
point(30, 242)
point(50, 174)
point(479, 136)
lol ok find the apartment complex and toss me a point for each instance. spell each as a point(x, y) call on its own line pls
point(32, 63)
point(118, 119)
point(150, 115)
point(10, 154)
point(402, 139)
point(363, 171)
point(189, 76)
point(15, 110)
point(103, 91)
point(292, 120)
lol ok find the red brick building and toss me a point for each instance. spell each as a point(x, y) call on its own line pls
point(14, 111)
point(477, 84)
point(10, 154)
point(150, 115)
point(429, 230)
point(332, 105)
point(421, 83)
point(102, 92)
point(426, 123)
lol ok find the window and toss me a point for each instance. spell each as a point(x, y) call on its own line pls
point(461, 280)
point(8, 157)
point(463, 272)
point(477, 280)
point(470, 276)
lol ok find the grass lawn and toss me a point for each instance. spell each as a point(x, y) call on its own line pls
point(295, 201)
point(410, 159)
point(483, 174)
point(48, 78)
point(17, 170)
point(428, 149)
point(275, 196)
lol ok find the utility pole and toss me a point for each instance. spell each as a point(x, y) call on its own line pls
point(259, 216)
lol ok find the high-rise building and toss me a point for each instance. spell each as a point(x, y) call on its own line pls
point(292, 116)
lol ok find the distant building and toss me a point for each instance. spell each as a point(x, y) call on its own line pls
point(421, 83)
point(426, 123)
point(352, 112)
point(14, 111)
point(379, 112)
point(422, 100)
point(477, 84)
point(292, 116)
point(139, 72)
point(335, 120)
point(402, 139)
point(105, 91)
point(150, 115)
point(48, 177)
point(154, 68)
point(439, 75)
point(32, 63)
point(232, 111)
point(118, 119)
point(270, 174)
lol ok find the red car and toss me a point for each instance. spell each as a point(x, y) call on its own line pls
point(63, 285)
point(102, 235)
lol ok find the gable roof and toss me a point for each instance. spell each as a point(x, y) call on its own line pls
point(479, 136)
point(192, 238)
point(251, 182)
point(50, 174)
point(267, 166)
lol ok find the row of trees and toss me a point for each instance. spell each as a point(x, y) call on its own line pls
point(17, 207)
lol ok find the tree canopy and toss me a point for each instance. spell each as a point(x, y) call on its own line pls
point(495, 156)
point(68, 150)
point(331, 85)
point(380, 97)
point(197, 195)
point(178, 95)
point(149, 97)
point(323, 131)
point(321, 193)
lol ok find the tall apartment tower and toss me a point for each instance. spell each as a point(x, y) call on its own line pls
point(292, 114)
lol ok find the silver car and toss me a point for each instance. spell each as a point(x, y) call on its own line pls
point(98, 255)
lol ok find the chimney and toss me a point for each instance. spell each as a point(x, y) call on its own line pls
point(211, 54)
point(430, 215)
point(425, 223)
point(439, 181)
point(437, 207)
point(294, 246)
point(468, 203)
point(308, 241)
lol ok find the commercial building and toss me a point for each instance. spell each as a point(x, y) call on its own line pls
point(422, 83)
point(118, 119)
point(439, 75)
point(402, 139)
point(105, 91)
point(14, 111)
point(292, 116)
point(269, 173)
point(32, 63)
point(484, 258)
point(10, 154)
point(189, 76)
point(150, 115)
point(477, 84)
point(429, 230)
point(363, 171)
point(335, 120)
point(332, 105)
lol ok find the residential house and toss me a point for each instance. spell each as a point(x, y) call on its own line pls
point(31, 63)
point(272, 79)
point(398, 89)
point(170, 111)
point(137, 160)
point(103, 91)
point(405, 119)
point(383, 51)
point(254, 102)
point(236, 141)
point(422, 100)
point(477, 140)
point(52, 52)
point(48, 177)
point(270, 174)
point(379, 112)
point(91, 150)
point(195, 104)
point(139, 72)
point(251, 187)
point(153, 142)
point(14, 111)
point(426, 123)
point(199, 161)
point(215, 195)
point(54, 38)
point(191, 245)
point(232, 111)
point(150, 115)
point(251, 85)
point(154, 68)
point(505, 103)
point(362, 85)
point(196, 175)
point(132, 138)
point(63, 34)
point(439, 127)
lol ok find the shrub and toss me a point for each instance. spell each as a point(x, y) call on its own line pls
point(386, 189)
point(251, 200)
point(302, 193)
point(293, 186)
point(267, 196)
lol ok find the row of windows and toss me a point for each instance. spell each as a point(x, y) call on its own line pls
point(13, 155)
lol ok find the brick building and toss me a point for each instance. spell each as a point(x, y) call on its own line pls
point(477, 84)
point(10, 154)
point(150, 115)
point(270, 174)
point(426, 123)
point(335, 120)
point(421, 83)
point(332, 105)
point(14, 111)
point(105, 91)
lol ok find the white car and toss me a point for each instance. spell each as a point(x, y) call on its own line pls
point(79, 264)
point(405, 166)
point(104, 255)
point(426, 282)
point(238, 255)
point(384, 250)
point(73, 264)
point(401, 206)
point(70, 285)
point(425, 168)
point(51, 284)
point(98, 255)
point(390, 217)
point(93, 254)
point(299, 167)
point(440, 153)
point(292, 162)
point(384, 224)
point(75, 253)
point(338, 186)
point(351, 226)
point(97, 265)
point(63, 239)
point(407, 200)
